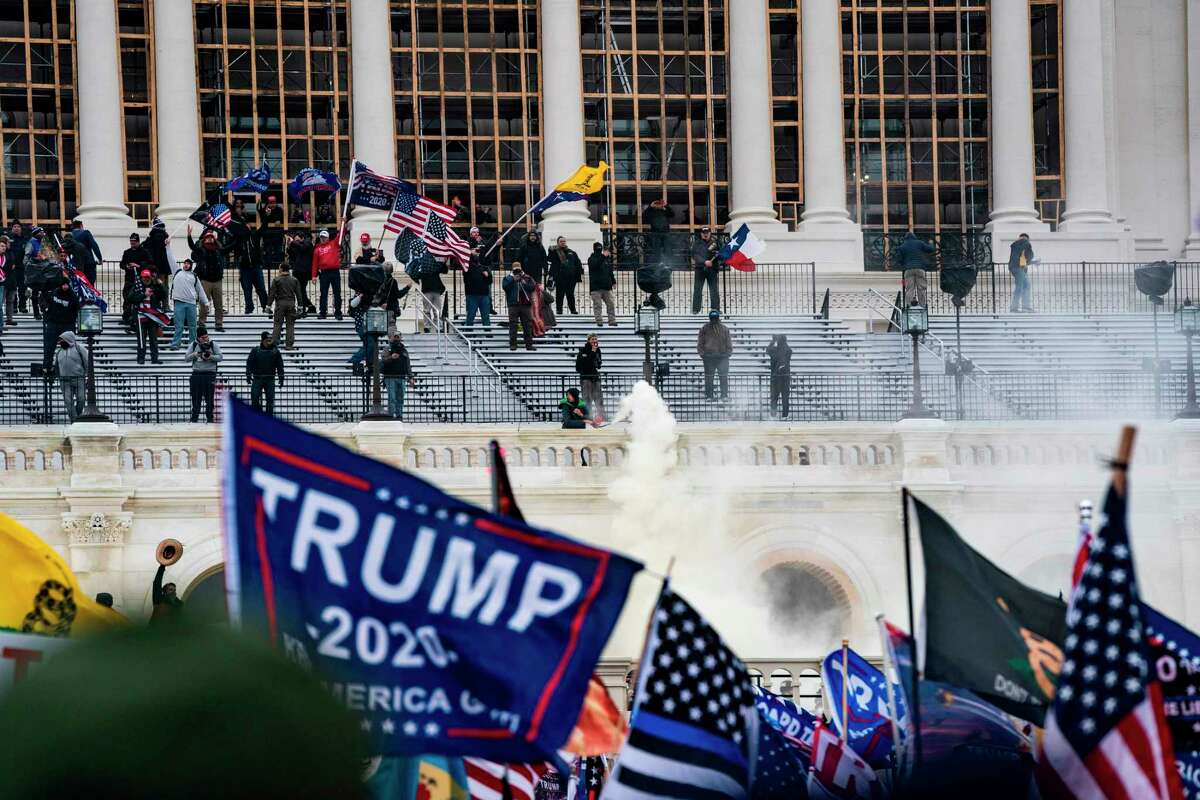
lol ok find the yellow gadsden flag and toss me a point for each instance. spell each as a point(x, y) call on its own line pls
point(586, 180)
point(38, 591)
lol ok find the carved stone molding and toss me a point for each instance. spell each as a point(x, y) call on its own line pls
point(96, 528)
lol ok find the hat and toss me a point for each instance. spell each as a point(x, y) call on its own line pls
point(265, 335)
point(201, 330)
point(145, 273)
point(714, 314)
point(474, 229)
point(188, 261)
point(36, 229)
point(271, 198)
point(134, 237)
point(158, 223)
point(324, 232)
point(104, 599)
point(364, 238)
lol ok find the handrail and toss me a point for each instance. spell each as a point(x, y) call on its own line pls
point(942, 347)
point(459, 341)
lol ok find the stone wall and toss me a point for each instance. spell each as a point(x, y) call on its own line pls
point(821, 498)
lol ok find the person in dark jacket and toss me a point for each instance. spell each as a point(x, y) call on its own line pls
point(16, 262)
point(167, 607)
point(132, 260)
point(574, 410)
point(368, 254)
point(90, 256)
point(601, 281)
point(149, 299)
point(156, 246)
point(203, 355)
point(780, 355)
point(477, 284)
point(209, 258)
point(533, 257)
point(388, 295)
point(300, 256)
point(703, 256)
point(519, 290)
point(435, 295)
point(566, 271)
point(715, 346)
point(263, 365)
point(1020, 256)
point(396, 370)
point(588, 362)
point(59, 311)
point(41, 258)
point(657, 219)
point(913, 257)
point(270, 232)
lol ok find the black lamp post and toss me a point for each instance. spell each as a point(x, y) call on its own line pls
point(91, 323)
point(647, 325)
point(377, 321)
point(916, 325)
point(1187, 322)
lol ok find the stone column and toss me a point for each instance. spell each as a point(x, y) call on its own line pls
point(751, 141)
point(1013, 188)
point(374, 123)
point(101, 142)
point(1192, 249)
point(824, 148)
point(562, 123)
point(1087, 134)
point(176, 98)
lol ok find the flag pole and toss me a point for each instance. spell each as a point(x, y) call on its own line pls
point(888, 669)
point(508, 230)
point(349, 191)
point(912, 631)
point(494, 452)
point(845, 689)
point(1120, 466)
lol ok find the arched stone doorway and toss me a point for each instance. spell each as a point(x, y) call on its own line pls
point(805, 599)
point(204, 600)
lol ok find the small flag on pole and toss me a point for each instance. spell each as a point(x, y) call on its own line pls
point(741, 250)
point(256, 180)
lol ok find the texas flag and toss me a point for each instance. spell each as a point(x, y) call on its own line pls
point(741, 250)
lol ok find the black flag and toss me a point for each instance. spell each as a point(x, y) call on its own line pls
point(985, 630)
point(503, 500)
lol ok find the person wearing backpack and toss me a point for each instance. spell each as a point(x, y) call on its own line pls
point(519, 290)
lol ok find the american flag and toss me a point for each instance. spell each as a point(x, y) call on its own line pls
point(412, 210)
point(779, 772)
point(838, 773)
point(444, 242)
point(486, 779)
point(693, 714)
point(1106, 736)
point(84, 291)
point(592, 774)
point(219, 216)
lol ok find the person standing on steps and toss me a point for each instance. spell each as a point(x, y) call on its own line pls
point(566, 271)
point(477, 284)
point(707, 270)
point(368, 255)
point(131, 264)
point(284, 298)
point(601, 282)
point(89, 252)
point(533, 257)
point(780, 355)
point(434, 290)
point(270, 232)
point(187, 292)
point(519, 290)
point(264, 365)
point(300, 256)
point(16, 260)
point(209, 265)
point(327, 263)
point(396, 370)
point(70, 365)
point(657, 219)
point(150, 297)
point(715, 346)
point(203, 355)
point(60, 308)
point(588, 361)
point(1020, 256)
point(913, 255)
point(388, 295)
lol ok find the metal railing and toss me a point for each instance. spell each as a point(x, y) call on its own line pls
point(952, 248)
point(1068, 287)
point(318, 397)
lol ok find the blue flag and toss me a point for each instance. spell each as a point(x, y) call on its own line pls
point(554, 198)
point(451, 630)
point(869, 727)
point(373, 190)
point(311, 179)
point(1175, 654)
point(256, 180)
point(793, 722)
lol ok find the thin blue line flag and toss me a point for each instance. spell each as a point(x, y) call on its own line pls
point(449, 629)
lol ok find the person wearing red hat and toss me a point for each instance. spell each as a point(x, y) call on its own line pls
point(368, 254)
point(327, 263)
point(149, 297)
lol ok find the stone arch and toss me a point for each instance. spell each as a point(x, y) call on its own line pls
point(201, 558)
point(1035, 557)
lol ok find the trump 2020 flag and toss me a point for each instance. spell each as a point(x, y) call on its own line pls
point(451, 630)
point(256, 180)
point(741, 250)
point(869, 727)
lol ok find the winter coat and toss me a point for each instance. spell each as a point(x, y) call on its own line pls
point(396, 365)
point(1021, 247)
point(714, 340)
point(60, 308)
point(431, 282)
point(70, 361)
point(781, 358)
point(88, 255)
point(588, 361)
point(203, 365)
point(702, 251)
point(481, 246)
point(388, 295)
point(369, 255)
point(264, 362)
point(152, 292)
point(136, 255)
point(16, 254)
point(327, 255)
point(567, 407)
point(913, 253)
point(533, 260)
point(284, 289)
point(300, 256)
point(478, 278)
point(156, 246)
point(518, 292)
point(209, 265)
point(658, 220)
point(566, 270)
point(600, 273)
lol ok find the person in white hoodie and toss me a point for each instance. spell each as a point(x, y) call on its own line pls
point(70, 363)
point(187, 292)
